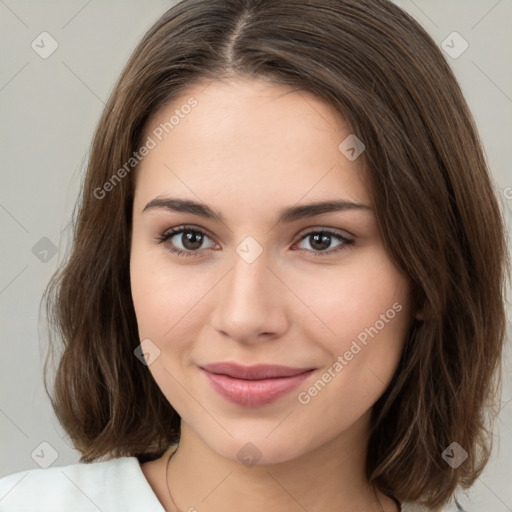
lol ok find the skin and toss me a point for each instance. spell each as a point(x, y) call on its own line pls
point(248, 149)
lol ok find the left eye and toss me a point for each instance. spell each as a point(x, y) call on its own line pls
point(323, 238)
point(192, 239)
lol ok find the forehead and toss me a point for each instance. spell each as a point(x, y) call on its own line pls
point(247, 138)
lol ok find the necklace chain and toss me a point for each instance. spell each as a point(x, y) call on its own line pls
point(167, 480)
point(178, 510)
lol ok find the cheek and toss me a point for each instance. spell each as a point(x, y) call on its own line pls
point(348, 299)
point(360, 312)
point(146, 294)
point(366, 310)
point(166, 297)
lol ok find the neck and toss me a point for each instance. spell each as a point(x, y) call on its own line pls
point(326, 478)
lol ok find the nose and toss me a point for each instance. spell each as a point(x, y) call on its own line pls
point(250, 303)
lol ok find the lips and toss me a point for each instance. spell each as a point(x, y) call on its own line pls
point(253, 386)
point(256, 372)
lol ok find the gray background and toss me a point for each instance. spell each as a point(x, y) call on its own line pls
point(49, 109)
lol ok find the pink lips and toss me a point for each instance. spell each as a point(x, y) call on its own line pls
point(254, 386)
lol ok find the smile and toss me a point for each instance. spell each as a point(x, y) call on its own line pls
point(254, 390)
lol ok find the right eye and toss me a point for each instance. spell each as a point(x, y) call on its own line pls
point(190, 243)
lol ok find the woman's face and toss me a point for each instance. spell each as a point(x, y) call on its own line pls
point(257, 282)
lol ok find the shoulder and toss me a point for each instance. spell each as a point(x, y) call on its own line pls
point(116, 484)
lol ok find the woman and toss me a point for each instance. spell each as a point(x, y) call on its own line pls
point(280, 294)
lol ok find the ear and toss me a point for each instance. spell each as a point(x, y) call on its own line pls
point(420, 314)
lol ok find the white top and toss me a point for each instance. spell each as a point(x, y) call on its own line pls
point(111, 486)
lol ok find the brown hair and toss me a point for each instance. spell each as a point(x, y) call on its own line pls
point(428, 181)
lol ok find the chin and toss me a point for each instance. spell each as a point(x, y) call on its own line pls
point(256, 448)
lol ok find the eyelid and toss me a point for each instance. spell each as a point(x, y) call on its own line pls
point(186, 227)
point(333, 232)
point(170, 233)
point(340, 232)
point(307, 231)
point(345, 241)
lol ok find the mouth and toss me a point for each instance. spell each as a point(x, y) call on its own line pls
point(254, 386)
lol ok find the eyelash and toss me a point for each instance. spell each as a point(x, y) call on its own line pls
point(185, 229)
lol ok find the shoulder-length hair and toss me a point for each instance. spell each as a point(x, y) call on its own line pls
point(428, 180)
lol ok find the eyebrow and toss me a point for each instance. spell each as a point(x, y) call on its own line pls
point(290, 214)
